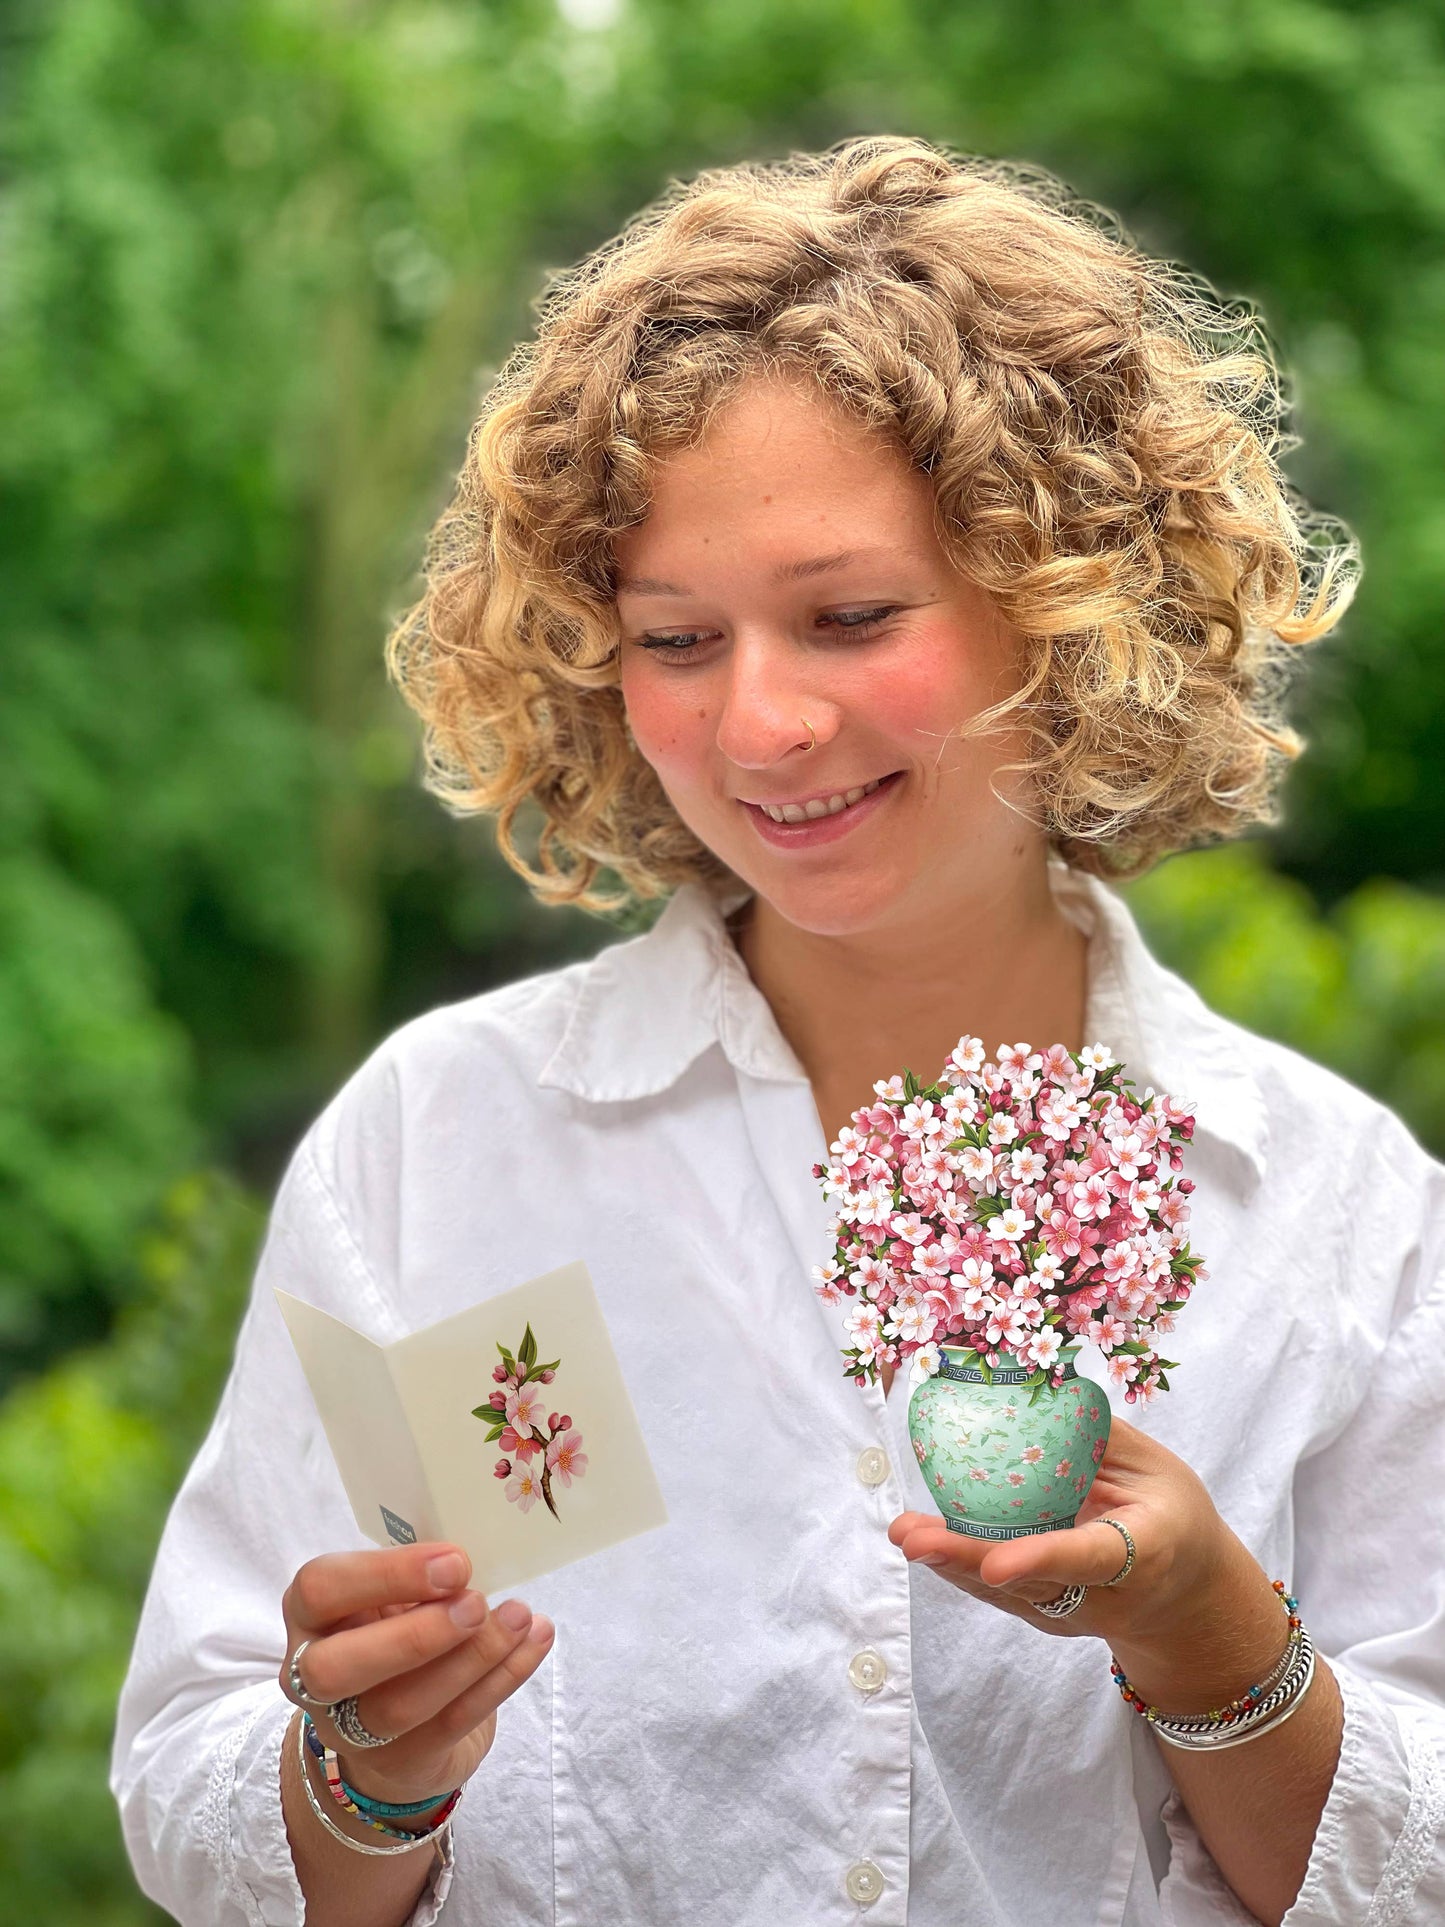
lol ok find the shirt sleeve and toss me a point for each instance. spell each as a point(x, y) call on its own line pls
point(1370, 1577)
point(196, 1761)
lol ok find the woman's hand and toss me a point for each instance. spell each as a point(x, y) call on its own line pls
point(427, 1662)
point(1186, 1559)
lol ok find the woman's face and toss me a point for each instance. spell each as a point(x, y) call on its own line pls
point(788, 575)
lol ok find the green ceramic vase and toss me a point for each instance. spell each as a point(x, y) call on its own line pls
point(999, 1467)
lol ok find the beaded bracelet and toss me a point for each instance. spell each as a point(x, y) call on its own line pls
point(1266, 1704)
point(347, 1801)
point(437, 1836)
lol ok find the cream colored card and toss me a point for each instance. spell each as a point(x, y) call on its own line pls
point(417, 1461)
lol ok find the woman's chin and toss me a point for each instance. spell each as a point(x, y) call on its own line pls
point(841, 906)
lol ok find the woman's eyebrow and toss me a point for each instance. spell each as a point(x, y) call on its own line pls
point(785, 572)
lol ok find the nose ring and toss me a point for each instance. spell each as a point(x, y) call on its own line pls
point(812, 733)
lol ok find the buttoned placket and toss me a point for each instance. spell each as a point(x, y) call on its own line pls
point(874, 1658)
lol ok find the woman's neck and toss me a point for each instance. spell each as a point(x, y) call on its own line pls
point(860, 1007)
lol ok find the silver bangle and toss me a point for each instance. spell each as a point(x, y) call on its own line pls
point(339, 1833)
point(1271, 1711)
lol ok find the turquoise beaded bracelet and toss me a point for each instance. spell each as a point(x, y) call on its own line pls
point(370, 1810)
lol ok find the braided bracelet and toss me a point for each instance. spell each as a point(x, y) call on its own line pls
point(1269, 1703)
point(347, 1801)
point(435, 1837)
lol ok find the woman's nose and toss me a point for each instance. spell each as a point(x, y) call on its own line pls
point(767, 712)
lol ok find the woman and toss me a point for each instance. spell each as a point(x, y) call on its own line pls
point(872, 552)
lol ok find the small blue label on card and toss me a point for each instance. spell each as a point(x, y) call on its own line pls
point(398, 1529)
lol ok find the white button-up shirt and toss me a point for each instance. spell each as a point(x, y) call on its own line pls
point(759, 1713)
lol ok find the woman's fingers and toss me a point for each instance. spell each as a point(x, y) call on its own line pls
point(338, 1585)
point(1086, 1555)
point(1031, 1570)
point(478, 1698)
point(354, 1658)
point(406, 1700)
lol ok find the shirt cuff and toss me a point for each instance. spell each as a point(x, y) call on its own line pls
point(1382, 1821)
point(246, 1782)
point(1377, 1833)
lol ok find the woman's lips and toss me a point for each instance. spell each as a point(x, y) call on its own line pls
point(822, 829)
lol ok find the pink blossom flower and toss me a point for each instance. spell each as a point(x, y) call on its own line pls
point(502, 1469)
point(967, 1056)
point(1043, 1347)
point(1062, 1467)
point(1098, 1451)
point(1016, 1478)
point(1027, 1166)
point(524, 1488)
point(1092, 1198)
point(524, 1409)
point(1031, 1454)
point(931, 1262)
point(977, 1166)
point(1009, 1226)
point(1120, 1261)
point(566, 1457)
point(978, 1472)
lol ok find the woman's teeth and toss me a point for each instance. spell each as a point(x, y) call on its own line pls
point(801, 812)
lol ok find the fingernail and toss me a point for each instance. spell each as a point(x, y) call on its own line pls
point(469, 1610)
point(542, 1629)
point(514, 1615)
point(449, 1569)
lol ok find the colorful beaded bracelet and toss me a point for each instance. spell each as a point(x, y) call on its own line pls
point(1246, 1703)
point(346, 1799)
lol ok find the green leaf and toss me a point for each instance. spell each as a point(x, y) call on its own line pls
point(528, 1349)
point(910, 1085)
point(485, 1411)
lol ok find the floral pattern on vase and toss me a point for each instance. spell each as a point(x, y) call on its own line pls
point(998, 1466)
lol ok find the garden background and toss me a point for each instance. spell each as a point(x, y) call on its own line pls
point(257, 258)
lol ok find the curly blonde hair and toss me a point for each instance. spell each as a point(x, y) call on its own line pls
point(1101, 431)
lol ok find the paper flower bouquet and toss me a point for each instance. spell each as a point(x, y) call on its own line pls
point(988, 1224)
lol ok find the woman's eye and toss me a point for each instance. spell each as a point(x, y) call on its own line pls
point(690, 640)
point(679, 645)
point(855, 619)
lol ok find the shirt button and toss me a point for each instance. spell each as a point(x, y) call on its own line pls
point(867, 1671)
point(864, 1882)
point(872, 1465)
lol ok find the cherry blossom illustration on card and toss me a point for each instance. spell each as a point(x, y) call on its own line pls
point(539, 1445)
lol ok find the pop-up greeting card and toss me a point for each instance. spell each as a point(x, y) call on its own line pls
point(986, 1225)
point(506, 1429)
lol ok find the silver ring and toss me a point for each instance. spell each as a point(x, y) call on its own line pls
point(1128, 1565)
point(347, 1721)
point(1068, 1601)
point(293, 1680)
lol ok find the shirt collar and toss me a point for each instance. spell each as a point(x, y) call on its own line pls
point(648, 1007)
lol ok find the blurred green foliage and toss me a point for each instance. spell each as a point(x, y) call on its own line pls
point(90, 1454)
point(256, 262)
